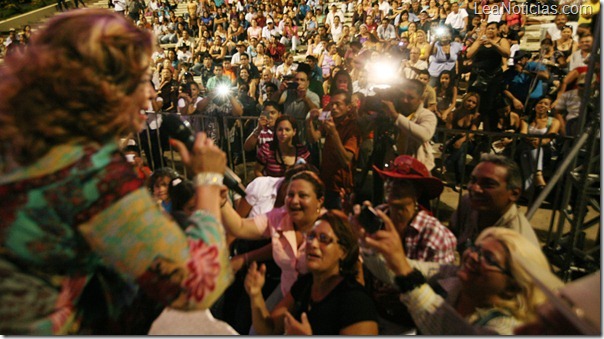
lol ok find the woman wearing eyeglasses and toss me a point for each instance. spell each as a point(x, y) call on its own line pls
point(285, 227)
point(328, 300)
point(489, 293)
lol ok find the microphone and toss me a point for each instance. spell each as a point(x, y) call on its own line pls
point(178, 130)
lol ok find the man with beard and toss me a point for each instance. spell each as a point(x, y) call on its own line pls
point(494, 187)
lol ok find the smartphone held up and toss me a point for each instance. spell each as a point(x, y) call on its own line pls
point(369, 220)
point(324, 115)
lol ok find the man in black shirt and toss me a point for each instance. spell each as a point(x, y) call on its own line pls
point(207, 71)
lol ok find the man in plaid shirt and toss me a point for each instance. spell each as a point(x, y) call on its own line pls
point(408, 182)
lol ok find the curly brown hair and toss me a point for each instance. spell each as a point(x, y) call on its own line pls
point(71, 84)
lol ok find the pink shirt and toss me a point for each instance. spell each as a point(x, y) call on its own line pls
point(277, 225)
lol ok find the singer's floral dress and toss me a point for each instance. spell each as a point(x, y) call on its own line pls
point(84, 249)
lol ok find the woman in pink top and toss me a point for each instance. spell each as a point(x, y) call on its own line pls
point(254, 31)
point(285, 225)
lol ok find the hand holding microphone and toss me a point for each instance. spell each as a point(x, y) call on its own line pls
point(203, 156)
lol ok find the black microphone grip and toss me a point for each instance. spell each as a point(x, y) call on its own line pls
point(177, 129)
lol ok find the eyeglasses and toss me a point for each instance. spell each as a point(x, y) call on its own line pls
point(487, 259)
point(322, 237)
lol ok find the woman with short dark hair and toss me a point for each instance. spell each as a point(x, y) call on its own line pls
point(328, 300)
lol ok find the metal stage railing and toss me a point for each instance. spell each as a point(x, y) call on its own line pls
point(563, 249)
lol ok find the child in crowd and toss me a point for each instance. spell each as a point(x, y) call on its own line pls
point(158, 185)
point(181, 192)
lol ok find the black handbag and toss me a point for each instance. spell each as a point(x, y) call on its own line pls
point(484, 79)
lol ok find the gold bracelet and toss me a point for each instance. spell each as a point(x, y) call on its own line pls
point(208, 179)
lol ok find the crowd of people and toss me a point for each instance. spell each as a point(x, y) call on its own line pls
point(454, 48)
point(314, 246)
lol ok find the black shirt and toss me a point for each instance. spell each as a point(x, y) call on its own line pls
point(206, 74)
point(347, 304)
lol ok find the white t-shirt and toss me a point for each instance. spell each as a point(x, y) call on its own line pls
point(384, 6)
point(280, 72)
point(261, 194)
point(193, 322)
point(336, 32)
point(154, 119)
point(119, 5)
point(577, 60)
point(456, 20)
point(570, 101)
point(182, 103)
point(267, 33)
point(330, 15)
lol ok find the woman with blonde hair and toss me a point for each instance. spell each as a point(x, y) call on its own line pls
point(85, 248)
point(489, 293)
point(422, 43)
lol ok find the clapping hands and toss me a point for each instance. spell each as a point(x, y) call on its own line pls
point(254, 280)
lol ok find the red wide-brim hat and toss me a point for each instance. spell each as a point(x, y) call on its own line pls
point(405, 167)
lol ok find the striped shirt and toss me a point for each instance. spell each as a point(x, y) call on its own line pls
point(266, 136)
point(273, 165)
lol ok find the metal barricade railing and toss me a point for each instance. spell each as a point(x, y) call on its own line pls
point(484, 143)
point(225, 131)
point(230, 133)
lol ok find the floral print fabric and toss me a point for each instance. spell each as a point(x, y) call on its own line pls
point(84, 249)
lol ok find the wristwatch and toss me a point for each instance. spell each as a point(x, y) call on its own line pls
point(409, 282)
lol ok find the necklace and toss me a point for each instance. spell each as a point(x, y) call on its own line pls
point(281, 158)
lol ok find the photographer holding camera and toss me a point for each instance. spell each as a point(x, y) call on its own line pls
point(294, 95)
point(416, 125)
point(342, 141)
point(188, 98)
point(218, 78)
point(221, 101)
point(407, 184)
point(443, 55)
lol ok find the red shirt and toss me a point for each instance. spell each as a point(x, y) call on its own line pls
point(334, 175)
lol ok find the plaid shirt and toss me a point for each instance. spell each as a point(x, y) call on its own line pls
point(428, 240)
